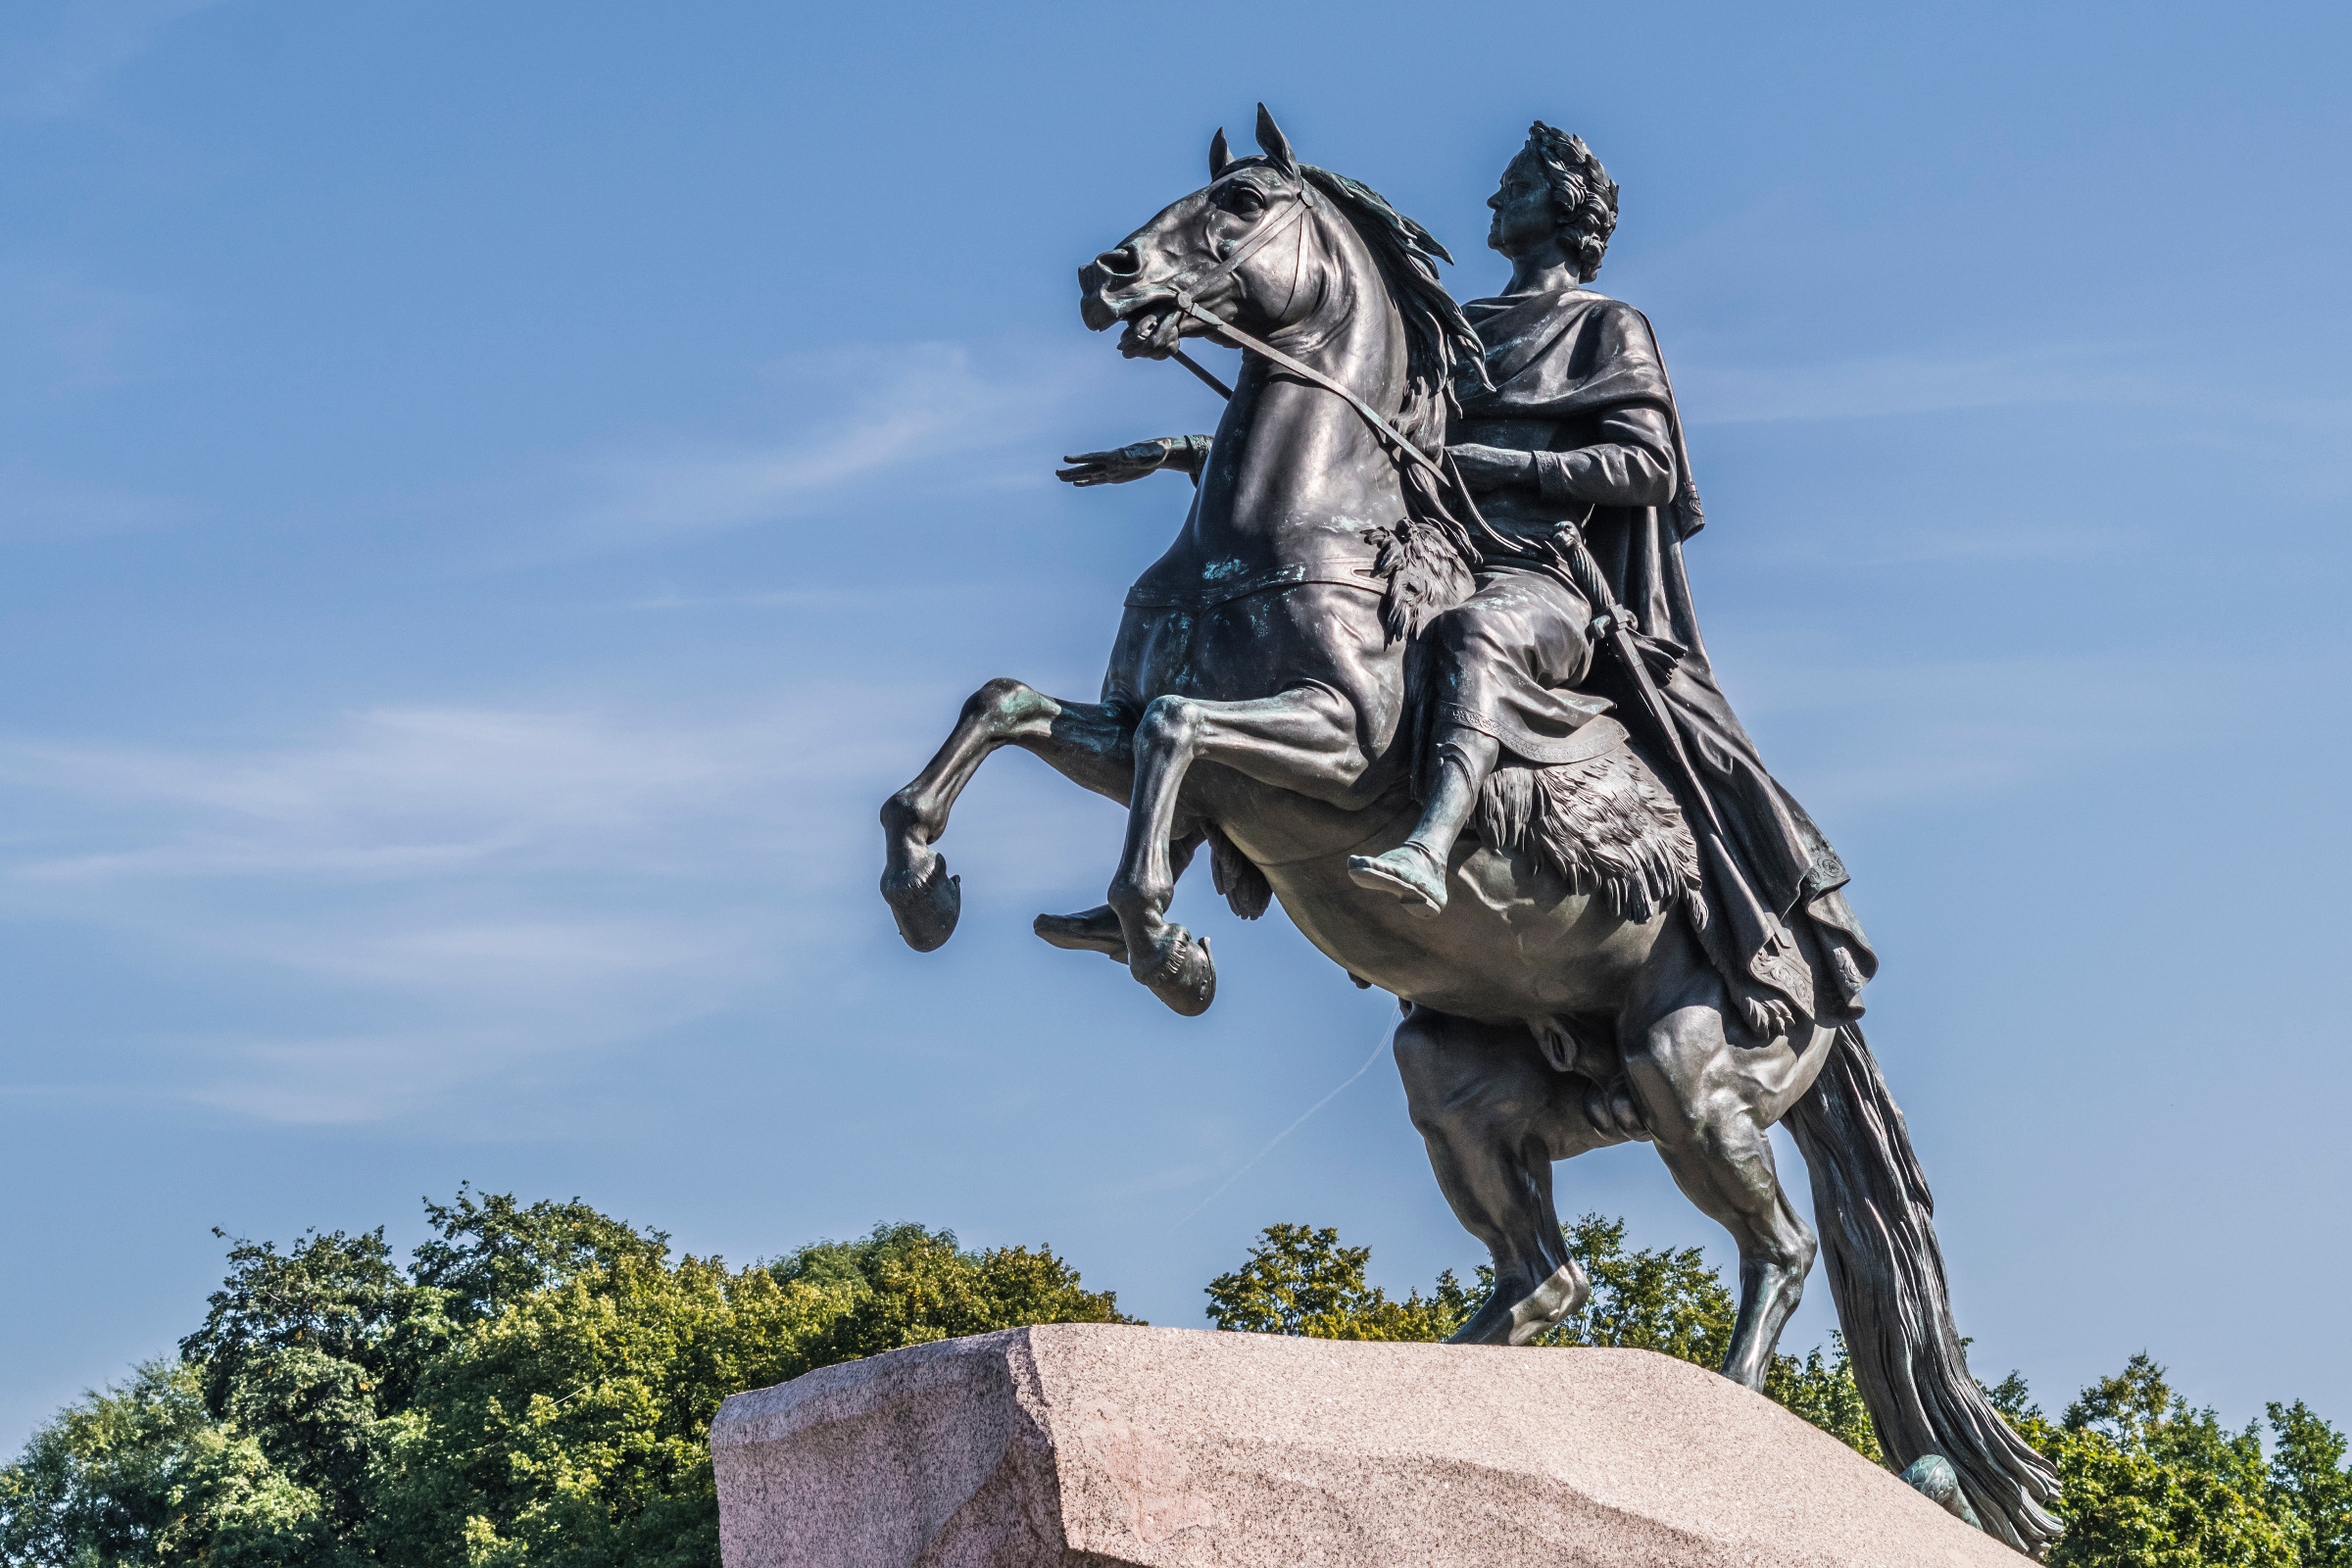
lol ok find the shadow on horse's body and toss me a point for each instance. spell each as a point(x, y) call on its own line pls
point(1255, 701)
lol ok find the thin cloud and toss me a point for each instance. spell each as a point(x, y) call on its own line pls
point(55, 77)
point(456, 893)
point(1868, 388)
point(1878, 734)
point(414, 792)
point(61, 335)
point(919, 413)
point(37, 509)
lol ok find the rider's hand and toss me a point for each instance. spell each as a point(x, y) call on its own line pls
point(1493, 467)
point(1133, 462)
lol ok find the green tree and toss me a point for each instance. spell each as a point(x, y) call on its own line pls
point(1654, 1299)
point(490, 1251)
point(1300, 1281)
point(97, 1476)
point(2310, 1484)
point(2150, 1483)
point(1825, 1393)
point(535, 1388)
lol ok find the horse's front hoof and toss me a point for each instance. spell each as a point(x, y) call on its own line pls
point(925, 903)
point(1183, 975)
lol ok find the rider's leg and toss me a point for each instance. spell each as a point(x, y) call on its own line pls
point(1415, 870)
point(1086, 743)
point(1304, 740)
point(1518, 638)
point(1709, 1108)
point(1495, 1115)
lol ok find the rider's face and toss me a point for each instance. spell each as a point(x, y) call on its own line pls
point(1525, 215)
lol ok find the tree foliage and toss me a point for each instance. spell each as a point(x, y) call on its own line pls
point(534, 1387)
point(2152, 1483)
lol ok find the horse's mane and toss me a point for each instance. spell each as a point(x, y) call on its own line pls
point(1427, 557)
point(1439, 337)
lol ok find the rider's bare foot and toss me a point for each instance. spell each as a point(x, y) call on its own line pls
point(1095, 931)
point(1407, 872)
point(1504, 1321)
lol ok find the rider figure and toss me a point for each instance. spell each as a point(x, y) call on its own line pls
point(1507, 661)
point(1579, 428)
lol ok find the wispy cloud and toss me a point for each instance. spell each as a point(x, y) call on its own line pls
point(61, 335)
point(405, 792)
point(920, 413)
point(337, 1080)
point(34, 506)
point(1880, 734)
point(55, 75)
point(1865, 388)
point(455, 892)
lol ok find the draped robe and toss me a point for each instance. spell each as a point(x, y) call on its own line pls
point(1578, 378)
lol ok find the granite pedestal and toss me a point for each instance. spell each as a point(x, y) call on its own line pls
point(1107, 1445)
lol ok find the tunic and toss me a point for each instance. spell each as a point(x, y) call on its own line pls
point(1579, 381)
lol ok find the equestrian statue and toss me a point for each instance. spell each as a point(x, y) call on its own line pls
point(1422, 666)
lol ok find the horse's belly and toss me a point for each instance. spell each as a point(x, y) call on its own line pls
point(1512, 943)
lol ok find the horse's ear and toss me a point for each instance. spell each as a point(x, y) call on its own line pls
point(1273, 144)
point(1219, 154)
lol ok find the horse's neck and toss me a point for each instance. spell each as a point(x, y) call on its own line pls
point(1301, 474)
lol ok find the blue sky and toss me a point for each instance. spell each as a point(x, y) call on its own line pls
point(491, 498)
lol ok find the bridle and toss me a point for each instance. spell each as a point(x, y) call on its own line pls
point(1569, 557)
point(1263, 232)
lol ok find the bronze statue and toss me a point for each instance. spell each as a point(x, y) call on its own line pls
point(1422, 665)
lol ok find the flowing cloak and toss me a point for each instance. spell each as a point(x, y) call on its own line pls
point(1776, 914)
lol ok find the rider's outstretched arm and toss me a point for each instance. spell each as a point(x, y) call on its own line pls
point(1180, 453)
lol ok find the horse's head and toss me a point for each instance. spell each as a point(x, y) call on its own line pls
point(1237, 247)
point(1268, 243)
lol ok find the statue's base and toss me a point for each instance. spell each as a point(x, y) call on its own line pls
point(1104, 1445)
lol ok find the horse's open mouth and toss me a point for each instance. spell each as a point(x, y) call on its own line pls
point(1151, 331)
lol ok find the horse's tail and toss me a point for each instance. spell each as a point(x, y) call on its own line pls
point(1876, 1216)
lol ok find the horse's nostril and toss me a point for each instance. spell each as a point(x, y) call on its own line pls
point(1121, 262)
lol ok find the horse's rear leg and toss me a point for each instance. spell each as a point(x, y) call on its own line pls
point(1495, 1115)
point(1708, 1102)
point(1086, 743)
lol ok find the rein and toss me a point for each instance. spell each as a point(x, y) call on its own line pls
point(1188, 304)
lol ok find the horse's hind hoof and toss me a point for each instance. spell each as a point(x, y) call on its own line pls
point(925, 905)
point(1186, 975)
point(1501, 1321)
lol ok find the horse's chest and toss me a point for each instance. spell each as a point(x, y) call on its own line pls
point(1320, 624)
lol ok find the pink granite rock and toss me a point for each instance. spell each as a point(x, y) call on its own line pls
point(1104, 1445)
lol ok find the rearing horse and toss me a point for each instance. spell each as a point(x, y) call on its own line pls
point(1257, 702)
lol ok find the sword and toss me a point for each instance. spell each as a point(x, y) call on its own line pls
point(1613, 629)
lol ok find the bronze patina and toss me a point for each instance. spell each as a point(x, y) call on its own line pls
point(1422, 666)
